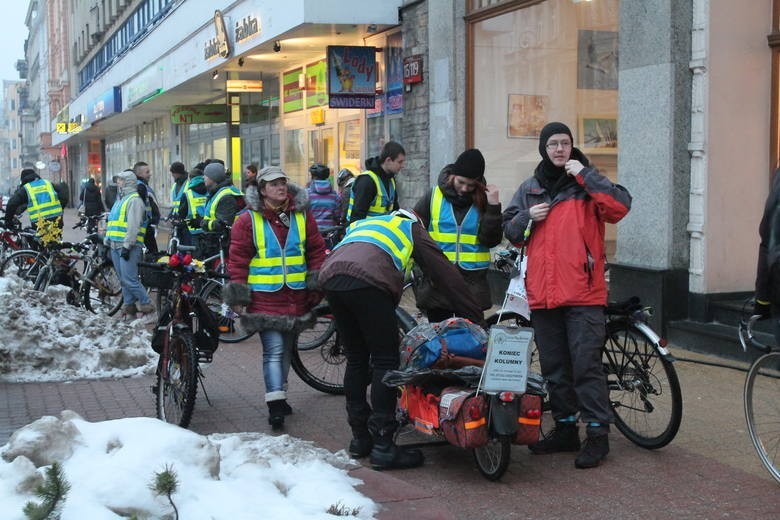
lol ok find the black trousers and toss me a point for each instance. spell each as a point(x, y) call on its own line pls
point(570, 341)
point(369, 331)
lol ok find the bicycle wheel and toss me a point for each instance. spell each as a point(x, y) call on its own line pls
point(762, 410)
point(229, 332)
point(102, 292)
point(493, 458)
point(644, 391)
point(324, 327)
point(323, 367)
point(26, 264)
point(177, 380)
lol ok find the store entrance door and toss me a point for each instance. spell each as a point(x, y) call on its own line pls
point(322, 147)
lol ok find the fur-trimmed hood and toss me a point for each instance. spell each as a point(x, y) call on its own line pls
point(298, 196)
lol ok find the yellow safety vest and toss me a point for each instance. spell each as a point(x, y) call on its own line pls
point(273, 266)
point(458, 242)
point(392, 234)
point(42, 200)
point(116, 230)
point(382, 203)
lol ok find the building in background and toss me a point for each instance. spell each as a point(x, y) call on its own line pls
point(10, 142)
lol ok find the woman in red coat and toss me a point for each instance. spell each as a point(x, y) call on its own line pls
point(275, 254)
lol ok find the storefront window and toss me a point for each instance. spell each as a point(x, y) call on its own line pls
point(295, 155)
point(349, 145)
point(553, 61)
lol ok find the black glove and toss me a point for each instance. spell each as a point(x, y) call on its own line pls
point(763, 309)
point(195, 222)
point(125, 254)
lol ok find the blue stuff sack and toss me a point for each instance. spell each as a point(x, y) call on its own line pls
point(464, 342)
point(427, 343)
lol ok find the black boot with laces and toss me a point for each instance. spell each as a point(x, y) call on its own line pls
point(593, 451)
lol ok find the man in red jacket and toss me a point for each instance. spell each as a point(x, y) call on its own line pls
point(566, 203)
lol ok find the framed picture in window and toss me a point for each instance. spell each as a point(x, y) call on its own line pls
point(598, 134)
point(526, 115)
point(597, 60)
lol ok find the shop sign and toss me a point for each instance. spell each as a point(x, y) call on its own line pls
point(317, 116)
point(219, 45)
point(413, 69)
point(62, 115)
point(292, 93)
point(244, 85)
point(351, 76)
point(248, 27)
point(110, 102)
point(395, 76)
point(196, 114)
point(147, 85)
point(316, 84)
point(378, 109)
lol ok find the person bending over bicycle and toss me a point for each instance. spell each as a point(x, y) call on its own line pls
point(363, 279)
point(275, 254)
point(568, 202)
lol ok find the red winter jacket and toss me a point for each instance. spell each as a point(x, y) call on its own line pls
point(285, 301)
point(566, 257)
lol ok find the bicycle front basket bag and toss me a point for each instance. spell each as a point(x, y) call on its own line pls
point(155, 278)
point(207, 337)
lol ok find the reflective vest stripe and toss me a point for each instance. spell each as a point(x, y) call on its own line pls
point(42, 200)
point(195, 204)
point(116, 230)
point(390, 233)
point(176, 195)
point(459, 243)
point(211, 206)
point(382, 203)
point(274, 267)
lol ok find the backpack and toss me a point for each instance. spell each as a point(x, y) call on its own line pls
point(452, 343)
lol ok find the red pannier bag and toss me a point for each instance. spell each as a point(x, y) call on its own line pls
point(422, 408)
point(529, 419)
point(463, 417)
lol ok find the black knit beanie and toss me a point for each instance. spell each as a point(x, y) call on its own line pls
point(549, 130)
point(469, 164)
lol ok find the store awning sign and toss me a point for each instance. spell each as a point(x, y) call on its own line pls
point(292, 93)
point(219, 46)
point(145, 86)
point(197, 114)
point(110, 102)
point(351, 76)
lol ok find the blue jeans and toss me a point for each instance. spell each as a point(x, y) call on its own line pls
point(277, 351)
point(132, 290)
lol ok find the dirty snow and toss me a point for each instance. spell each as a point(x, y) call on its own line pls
point(110, 465)
point(43, 338)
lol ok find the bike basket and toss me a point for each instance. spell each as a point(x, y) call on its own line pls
point(156, 279)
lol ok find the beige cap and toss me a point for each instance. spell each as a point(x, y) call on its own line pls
point(270, 173)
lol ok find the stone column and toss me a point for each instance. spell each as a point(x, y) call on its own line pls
point(654, 163)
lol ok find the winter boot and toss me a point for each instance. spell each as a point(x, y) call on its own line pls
point(146, 308)
point(361, 444)
point(388, 455)
point(276, 414)
point(565, 437)
point(129, 311)
point(593, 451)
point(286, 408)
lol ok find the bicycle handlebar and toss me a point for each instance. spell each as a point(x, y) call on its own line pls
point(746, 336)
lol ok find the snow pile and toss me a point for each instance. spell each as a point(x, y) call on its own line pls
point(43, 338)
point(110, 466)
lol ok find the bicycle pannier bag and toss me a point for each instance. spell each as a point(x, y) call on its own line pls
point(529, 419)
point(463, 417)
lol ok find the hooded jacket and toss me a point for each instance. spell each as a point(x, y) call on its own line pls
point(489, 235)
point(285, 309)
point(136, 210)
point(324, 203)
point(93, 204)
point(566, 259)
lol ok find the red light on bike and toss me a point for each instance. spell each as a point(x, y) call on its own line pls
point(507, 397)
point(186, 288)
point(174, 261)
point(533, 413)
point(662, 343)
point(187, 260)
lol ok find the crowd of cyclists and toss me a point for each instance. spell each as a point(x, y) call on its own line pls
point(281, 266)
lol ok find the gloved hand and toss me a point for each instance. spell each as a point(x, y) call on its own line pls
point(195, 222)
point(125, 254)
point(762, 308)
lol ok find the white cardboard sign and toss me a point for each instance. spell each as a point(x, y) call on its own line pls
point(508, 357)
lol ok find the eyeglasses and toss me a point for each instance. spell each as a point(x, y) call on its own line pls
point(553, 145)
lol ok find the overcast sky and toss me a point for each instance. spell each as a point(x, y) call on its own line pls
point(12, 37)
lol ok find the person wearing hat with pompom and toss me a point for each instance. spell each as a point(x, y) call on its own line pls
point(566, 204)
point(462, 213)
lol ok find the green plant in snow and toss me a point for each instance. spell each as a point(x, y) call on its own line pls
point(166, 483)
point(52, 493)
